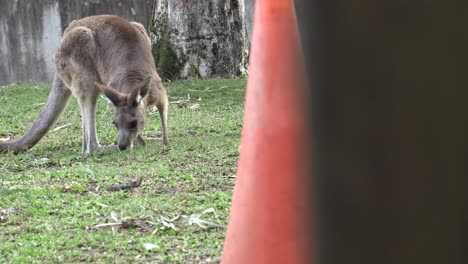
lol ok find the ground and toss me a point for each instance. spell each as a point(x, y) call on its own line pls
point(53, 206)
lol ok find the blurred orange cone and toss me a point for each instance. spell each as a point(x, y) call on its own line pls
point(271, 212)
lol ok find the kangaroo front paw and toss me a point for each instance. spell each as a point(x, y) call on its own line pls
point(140, 141)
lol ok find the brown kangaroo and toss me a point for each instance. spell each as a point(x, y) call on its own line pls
point(102, 54)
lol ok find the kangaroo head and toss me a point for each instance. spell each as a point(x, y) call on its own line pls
point(130, 114)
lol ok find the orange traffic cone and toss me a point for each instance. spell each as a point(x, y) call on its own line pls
point(270, 218)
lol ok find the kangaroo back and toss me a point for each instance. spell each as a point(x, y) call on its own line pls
point(76, 53)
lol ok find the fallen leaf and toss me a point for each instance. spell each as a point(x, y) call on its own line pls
point(149, 246)
point(196, 219)
point(114, 216)
point(61, 127)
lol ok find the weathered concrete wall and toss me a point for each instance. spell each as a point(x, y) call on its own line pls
point(134, 10)
point(249, 14)
point(28, 31)
point(31, 30)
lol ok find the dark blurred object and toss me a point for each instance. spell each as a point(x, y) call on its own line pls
point(389, 102)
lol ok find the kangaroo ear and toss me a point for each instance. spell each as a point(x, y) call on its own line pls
point(140, 93)
point(115, 97)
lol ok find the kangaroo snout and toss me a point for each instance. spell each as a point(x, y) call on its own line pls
point(124, 140)
point(122, 147)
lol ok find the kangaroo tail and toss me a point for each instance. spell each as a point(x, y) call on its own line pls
point(56, 103)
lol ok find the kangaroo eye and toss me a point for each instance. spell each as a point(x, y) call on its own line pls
point(133, 125)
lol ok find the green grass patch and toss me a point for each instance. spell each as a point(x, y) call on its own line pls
point(52, 206)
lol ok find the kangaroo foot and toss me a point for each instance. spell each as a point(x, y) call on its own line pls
point(107, 148)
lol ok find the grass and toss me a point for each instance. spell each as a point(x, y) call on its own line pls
point(52, 209)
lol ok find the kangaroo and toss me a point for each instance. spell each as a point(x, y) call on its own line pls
point(105, 54)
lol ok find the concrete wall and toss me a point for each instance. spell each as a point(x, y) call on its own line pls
point(30, 31)
point(249, 15)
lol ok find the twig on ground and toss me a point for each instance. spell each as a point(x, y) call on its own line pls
point(118, 187)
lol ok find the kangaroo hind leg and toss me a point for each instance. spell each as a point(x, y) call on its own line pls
point(87, 95)
point(76, 63)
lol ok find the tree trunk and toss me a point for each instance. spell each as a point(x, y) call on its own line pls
point(199, 38)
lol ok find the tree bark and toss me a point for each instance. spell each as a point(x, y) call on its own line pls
point(199, 38)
